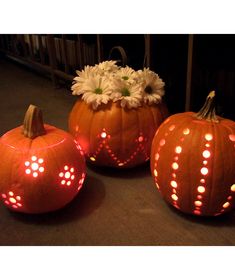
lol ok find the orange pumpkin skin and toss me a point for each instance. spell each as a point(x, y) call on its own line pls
point(32, 170)
point(114, 136)
point(193, 163)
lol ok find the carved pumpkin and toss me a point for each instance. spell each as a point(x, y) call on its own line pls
point(193, 161)
point(116, 136)
point(41, 167)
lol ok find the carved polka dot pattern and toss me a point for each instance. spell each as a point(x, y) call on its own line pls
point(12, 200)
point(67, 176)
point(34, 166)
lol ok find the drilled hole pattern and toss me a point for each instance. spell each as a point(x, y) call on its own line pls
point(67, 176)
point(12, 200)
point(104, 145)
point(34, 166)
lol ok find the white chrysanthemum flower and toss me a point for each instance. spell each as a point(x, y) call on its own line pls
point(107, 66)
point(127, 74)
point(152, 86)
point(82, 77)
point(96, 91)
point(128, 94)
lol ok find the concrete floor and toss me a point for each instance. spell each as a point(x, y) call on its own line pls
point(114, 207)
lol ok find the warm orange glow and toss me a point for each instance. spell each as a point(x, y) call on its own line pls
point(199, 196)
point(174, 197)
point(174, 184)
point(233, 188)
point(7, 202)
point(68, 183)
point(18, 197)
point(176, 158)
point(172, 127)
point(173, 175)
point(204, 170)
point(229, 197)
point(206, 154)
point(226, 205)
point(186, 131)
point(34, 166)
point(19, 204)
point(155, 172)
point(66, 167)
point(27, 163)
point(202, 181)
point(162, 142)
point(92, 158)
point(33, 158)
point(140, 139)
point(61, 174)
point(72, 169)
point(35, 174)
point(175, 165)
point(198, 203)
point(11, 193)
point(232, 137)
point(103, 134)
point(208, 137)
point(67, 175)
point(205, 162)
point(201, 189)
point(40, 160)
point(27, 171)
point(12, 200)
point(63, 182)
point(41, 169)
point(120, 164)
point(156, 156)
point(3, 195)
point(197, 212)
point(178, 149)
point(72, 177)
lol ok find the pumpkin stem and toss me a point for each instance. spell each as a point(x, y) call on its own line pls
point(207, 112)
point(33, 123)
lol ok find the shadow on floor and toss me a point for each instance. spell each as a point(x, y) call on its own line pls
point(227, 219)
point(87, 201)
point(142, 170)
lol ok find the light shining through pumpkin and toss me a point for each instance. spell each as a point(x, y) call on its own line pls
point(67, 175)
point(11, 200)
point(34, 166)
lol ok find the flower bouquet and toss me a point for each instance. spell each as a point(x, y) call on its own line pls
point(118, 113)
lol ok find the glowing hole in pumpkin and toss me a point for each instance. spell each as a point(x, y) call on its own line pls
point(175, 165)
point(232, 137)
point(229, 197)
point(67, 175)
point(141, 139)
point(40, 160)
point(174, 191)
point(172, 127)
point(186, 131)
point(66, 167)
point(41, 169)
point(14, 206)
point(72, 177)
point(18, 198)
point(3, 195)
point(11, 193)
point(198, 203)
point(63, 182)
point(199, 197)
point(173, 175)
point(34, 166)
point(197, 212)
point(35, 174)
point(120, 164)
point(155, 172)
point(92, 158)
point(174, 197)
point(205, 162)
point(201, 189)
point(174, 184)
point(27, 163)
point(206, 154)
point(178, 149)
point(233, 188)
point(207, 145)
point(202, 181)
point(72, 169)
point(103, 135)
point(176, 158)
point(156, 156)
point(208, 137)
point(7, 202)
point(33, 158)
point(27, 171)
point(61, 174)
point(68, 183)
point(12, 200)
point(204, 170)
point(162, 142)
point(226, 205)
point(19, 204)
